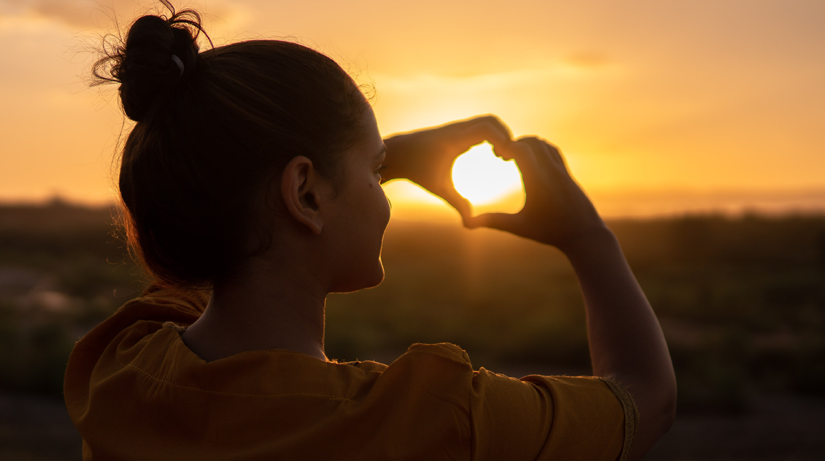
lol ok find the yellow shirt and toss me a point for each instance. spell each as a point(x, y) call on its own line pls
point(136, 392)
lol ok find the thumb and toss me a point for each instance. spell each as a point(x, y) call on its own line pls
point(500, 221)
point(458, 202)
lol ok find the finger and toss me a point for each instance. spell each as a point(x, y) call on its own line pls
point(556, 154)
point(489, 119)
point(540, 151)
point(526, 161)
point(546, 153)
point(489, 129)
point(553, 153)
point(500, 221)
point(505, 151)
point(457, 201)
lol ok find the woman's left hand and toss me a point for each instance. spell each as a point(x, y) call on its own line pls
point(426, 156)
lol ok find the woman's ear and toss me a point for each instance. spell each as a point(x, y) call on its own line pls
point(300, 188)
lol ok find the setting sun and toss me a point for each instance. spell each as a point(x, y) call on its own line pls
point(482, 178)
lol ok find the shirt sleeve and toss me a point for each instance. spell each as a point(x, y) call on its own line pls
point(550, 417)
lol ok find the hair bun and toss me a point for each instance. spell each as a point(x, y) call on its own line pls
point(158, 54)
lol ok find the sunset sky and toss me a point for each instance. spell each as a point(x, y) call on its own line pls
point(659, 106)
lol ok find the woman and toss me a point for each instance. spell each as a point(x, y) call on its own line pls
point(253, 174)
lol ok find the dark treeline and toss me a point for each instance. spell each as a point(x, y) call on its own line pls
point(741, 300)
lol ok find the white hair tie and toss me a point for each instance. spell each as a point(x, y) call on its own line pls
point(177, 61)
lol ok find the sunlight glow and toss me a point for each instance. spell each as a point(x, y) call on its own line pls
point(482, 178)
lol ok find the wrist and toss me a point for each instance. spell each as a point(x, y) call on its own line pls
point(596, 241)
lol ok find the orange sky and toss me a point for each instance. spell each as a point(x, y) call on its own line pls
point(658, 106)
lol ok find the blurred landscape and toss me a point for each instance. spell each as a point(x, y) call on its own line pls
point(741, 301)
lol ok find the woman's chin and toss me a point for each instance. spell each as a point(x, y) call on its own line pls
point(368, 279)
point(377, 276)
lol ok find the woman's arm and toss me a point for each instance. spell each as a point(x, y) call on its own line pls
point(626, 341)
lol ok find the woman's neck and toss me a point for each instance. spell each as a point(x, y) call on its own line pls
point(261, 310)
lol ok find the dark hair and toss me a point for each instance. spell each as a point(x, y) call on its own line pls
point(213, 130)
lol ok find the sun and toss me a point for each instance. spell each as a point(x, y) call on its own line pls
point(484, 179)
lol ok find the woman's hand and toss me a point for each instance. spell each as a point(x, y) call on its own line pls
point(556, 211)
point(426, 156)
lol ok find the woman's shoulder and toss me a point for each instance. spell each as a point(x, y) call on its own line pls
point(149, 377)
point(190, 301)
point(438, 351)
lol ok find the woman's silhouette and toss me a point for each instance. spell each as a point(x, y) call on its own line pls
point(251, 189)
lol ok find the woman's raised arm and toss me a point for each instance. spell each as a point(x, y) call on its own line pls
point(626, 341)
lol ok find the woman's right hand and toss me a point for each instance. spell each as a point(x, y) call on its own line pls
point(556, 211)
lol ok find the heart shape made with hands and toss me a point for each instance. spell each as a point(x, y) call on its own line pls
point(490, 183)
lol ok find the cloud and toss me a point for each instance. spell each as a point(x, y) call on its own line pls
point(587, 59)
point(106, 15)
point(81, 14)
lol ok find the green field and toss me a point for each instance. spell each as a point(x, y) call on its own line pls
point(741, 300)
